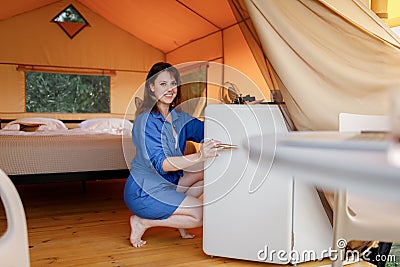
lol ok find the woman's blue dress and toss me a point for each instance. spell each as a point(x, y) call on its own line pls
point(149, 191)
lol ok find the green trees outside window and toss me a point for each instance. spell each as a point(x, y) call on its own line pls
point(67, 93)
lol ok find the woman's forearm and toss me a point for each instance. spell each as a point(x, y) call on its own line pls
point(208, 150)
point(171, 164)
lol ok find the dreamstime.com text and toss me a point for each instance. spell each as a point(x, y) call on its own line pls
point(294, 256)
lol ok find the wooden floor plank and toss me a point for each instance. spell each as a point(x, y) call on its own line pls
point(69, 227)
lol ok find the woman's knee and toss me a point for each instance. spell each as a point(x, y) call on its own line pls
point(194, 185)
point(199, 184)
point(190, 178)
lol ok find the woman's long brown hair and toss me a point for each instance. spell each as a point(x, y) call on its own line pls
point(149, 101)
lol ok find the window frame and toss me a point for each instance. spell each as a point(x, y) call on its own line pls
point(67, 71)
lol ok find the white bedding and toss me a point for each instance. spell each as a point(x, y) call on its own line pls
point(74, 131)
point(48, 126)
point(41, 124)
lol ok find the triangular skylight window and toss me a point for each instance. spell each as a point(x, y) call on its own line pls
point(71, 21)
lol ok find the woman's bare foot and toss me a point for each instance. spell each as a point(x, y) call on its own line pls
point(137, 231)
point(185, 234)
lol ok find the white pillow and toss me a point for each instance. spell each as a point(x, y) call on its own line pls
point(44, 124)
point(108, 125)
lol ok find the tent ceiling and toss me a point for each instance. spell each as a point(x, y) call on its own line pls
point(166, 24)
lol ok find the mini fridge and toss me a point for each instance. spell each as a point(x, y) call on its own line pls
point(253, 209)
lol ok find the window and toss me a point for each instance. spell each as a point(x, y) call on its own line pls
point(194, 88)
point(67, 93)
point(70, 21)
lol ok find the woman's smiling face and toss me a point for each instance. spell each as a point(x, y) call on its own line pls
point(164, 88)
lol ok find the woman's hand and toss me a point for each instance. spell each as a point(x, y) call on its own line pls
point(209, 149)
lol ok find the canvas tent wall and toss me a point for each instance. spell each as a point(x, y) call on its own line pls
point(327, 56)
point(124, 36)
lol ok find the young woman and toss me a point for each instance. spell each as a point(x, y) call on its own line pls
point(159, 191)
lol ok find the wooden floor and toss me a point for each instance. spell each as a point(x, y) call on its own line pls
point(68, 227)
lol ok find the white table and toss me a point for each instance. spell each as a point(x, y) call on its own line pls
point(327, 160)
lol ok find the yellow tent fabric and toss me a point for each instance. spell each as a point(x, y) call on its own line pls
point(327, 56)
point(124, 36)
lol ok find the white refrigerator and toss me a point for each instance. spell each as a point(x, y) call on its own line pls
point(253, 209)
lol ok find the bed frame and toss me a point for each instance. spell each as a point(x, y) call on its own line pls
point(83, 177)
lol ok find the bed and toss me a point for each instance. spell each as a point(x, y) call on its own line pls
point(35, 150)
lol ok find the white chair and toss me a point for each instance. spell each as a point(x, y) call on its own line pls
point(349, 122)
point(14, 249)
point(363, 217)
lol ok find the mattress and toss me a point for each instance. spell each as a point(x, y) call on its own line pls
point(46, 154)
